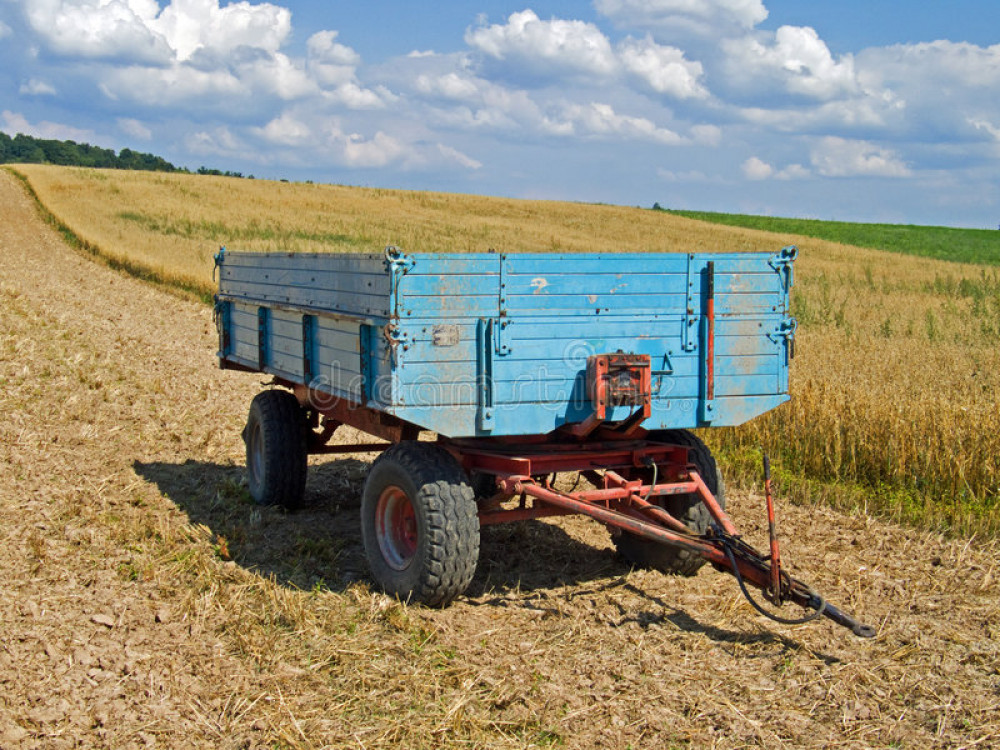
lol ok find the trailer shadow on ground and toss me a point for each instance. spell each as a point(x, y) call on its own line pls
point(320, 544)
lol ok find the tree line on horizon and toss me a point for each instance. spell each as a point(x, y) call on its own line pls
point(26, 149)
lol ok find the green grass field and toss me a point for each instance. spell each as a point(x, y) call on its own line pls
point(944, 243)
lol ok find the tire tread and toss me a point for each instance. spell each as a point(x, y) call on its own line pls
point(286, 457)
point(452, 521)
point(662, 557)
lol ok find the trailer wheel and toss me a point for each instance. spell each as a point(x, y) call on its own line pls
point(277, 456)
point(686, 508)
point(419, 524)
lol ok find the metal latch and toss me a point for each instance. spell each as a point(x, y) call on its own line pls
point(218, 257)
point(398, 264)
point(785, 332)
point(782, 263)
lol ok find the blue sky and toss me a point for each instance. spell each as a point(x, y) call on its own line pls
point(876, 111)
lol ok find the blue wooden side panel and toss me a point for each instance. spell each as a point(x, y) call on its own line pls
point(494, 344)
point(351, 284)
point(552, 312)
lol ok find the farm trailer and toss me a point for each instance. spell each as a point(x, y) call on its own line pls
point(516, 368)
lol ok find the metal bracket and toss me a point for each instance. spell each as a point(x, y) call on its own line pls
point(263, 336)
point(395, 258)
point(368, 335)
point(394, 336)
point(785, 331)
point(484, 379)
point(690, 332)
point(223, 315)
point(398, 264)
point(782, 263)
point(657, 376)
point(309, 328)
point(502, 343)
point(218, 257)
point(706, 400)
point(502, 327)
point(708, 360)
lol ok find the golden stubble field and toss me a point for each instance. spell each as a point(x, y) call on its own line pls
point(144, 602)
point(897, 376)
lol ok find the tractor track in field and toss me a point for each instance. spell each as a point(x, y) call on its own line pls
point(145, 603)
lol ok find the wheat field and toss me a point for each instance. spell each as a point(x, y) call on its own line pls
point(897, 373)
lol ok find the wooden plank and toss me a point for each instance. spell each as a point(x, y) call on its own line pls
point(350, 303)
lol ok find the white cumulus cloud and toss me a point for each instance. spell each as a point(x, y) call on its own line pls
point(173, 86)
point(447, 86)
point(794, 172)
point(986, 127)
point(796, 60)
point(102, 29)
point(192, 25)
point(545, 47)
point(377, 151)
point(557, 48)
point(664, 69)
point(599, 119)
point(334, 67)
point(943, 85)
point(353, 96)
point(286, 130)
point(757, 169)
point(961, 64)
point(277, 75)
point(332, 63)
point(840, 157)
point(865, 112)
point(201, 52)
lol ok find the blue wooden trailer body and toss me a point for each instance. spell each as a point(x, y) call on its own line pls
point(495, 344)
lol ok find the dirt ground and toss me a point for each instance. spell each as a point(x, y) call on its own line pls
point(145, 602)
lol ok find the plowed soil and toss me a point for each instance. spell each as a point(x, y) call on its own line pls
point(145, 602)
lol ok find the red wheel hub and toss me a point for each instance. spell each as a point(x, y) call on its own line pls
point(396, 527)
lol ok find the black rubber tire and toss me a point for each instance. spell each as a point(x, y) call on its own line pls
point(437, 559)
point(689, 509)
point(277, 456)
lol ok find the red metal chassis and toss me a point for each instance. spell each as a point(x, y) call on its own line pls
point(614, 463)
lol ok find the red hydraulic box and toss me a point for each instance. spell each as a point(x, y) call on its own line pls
point(619, 379)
